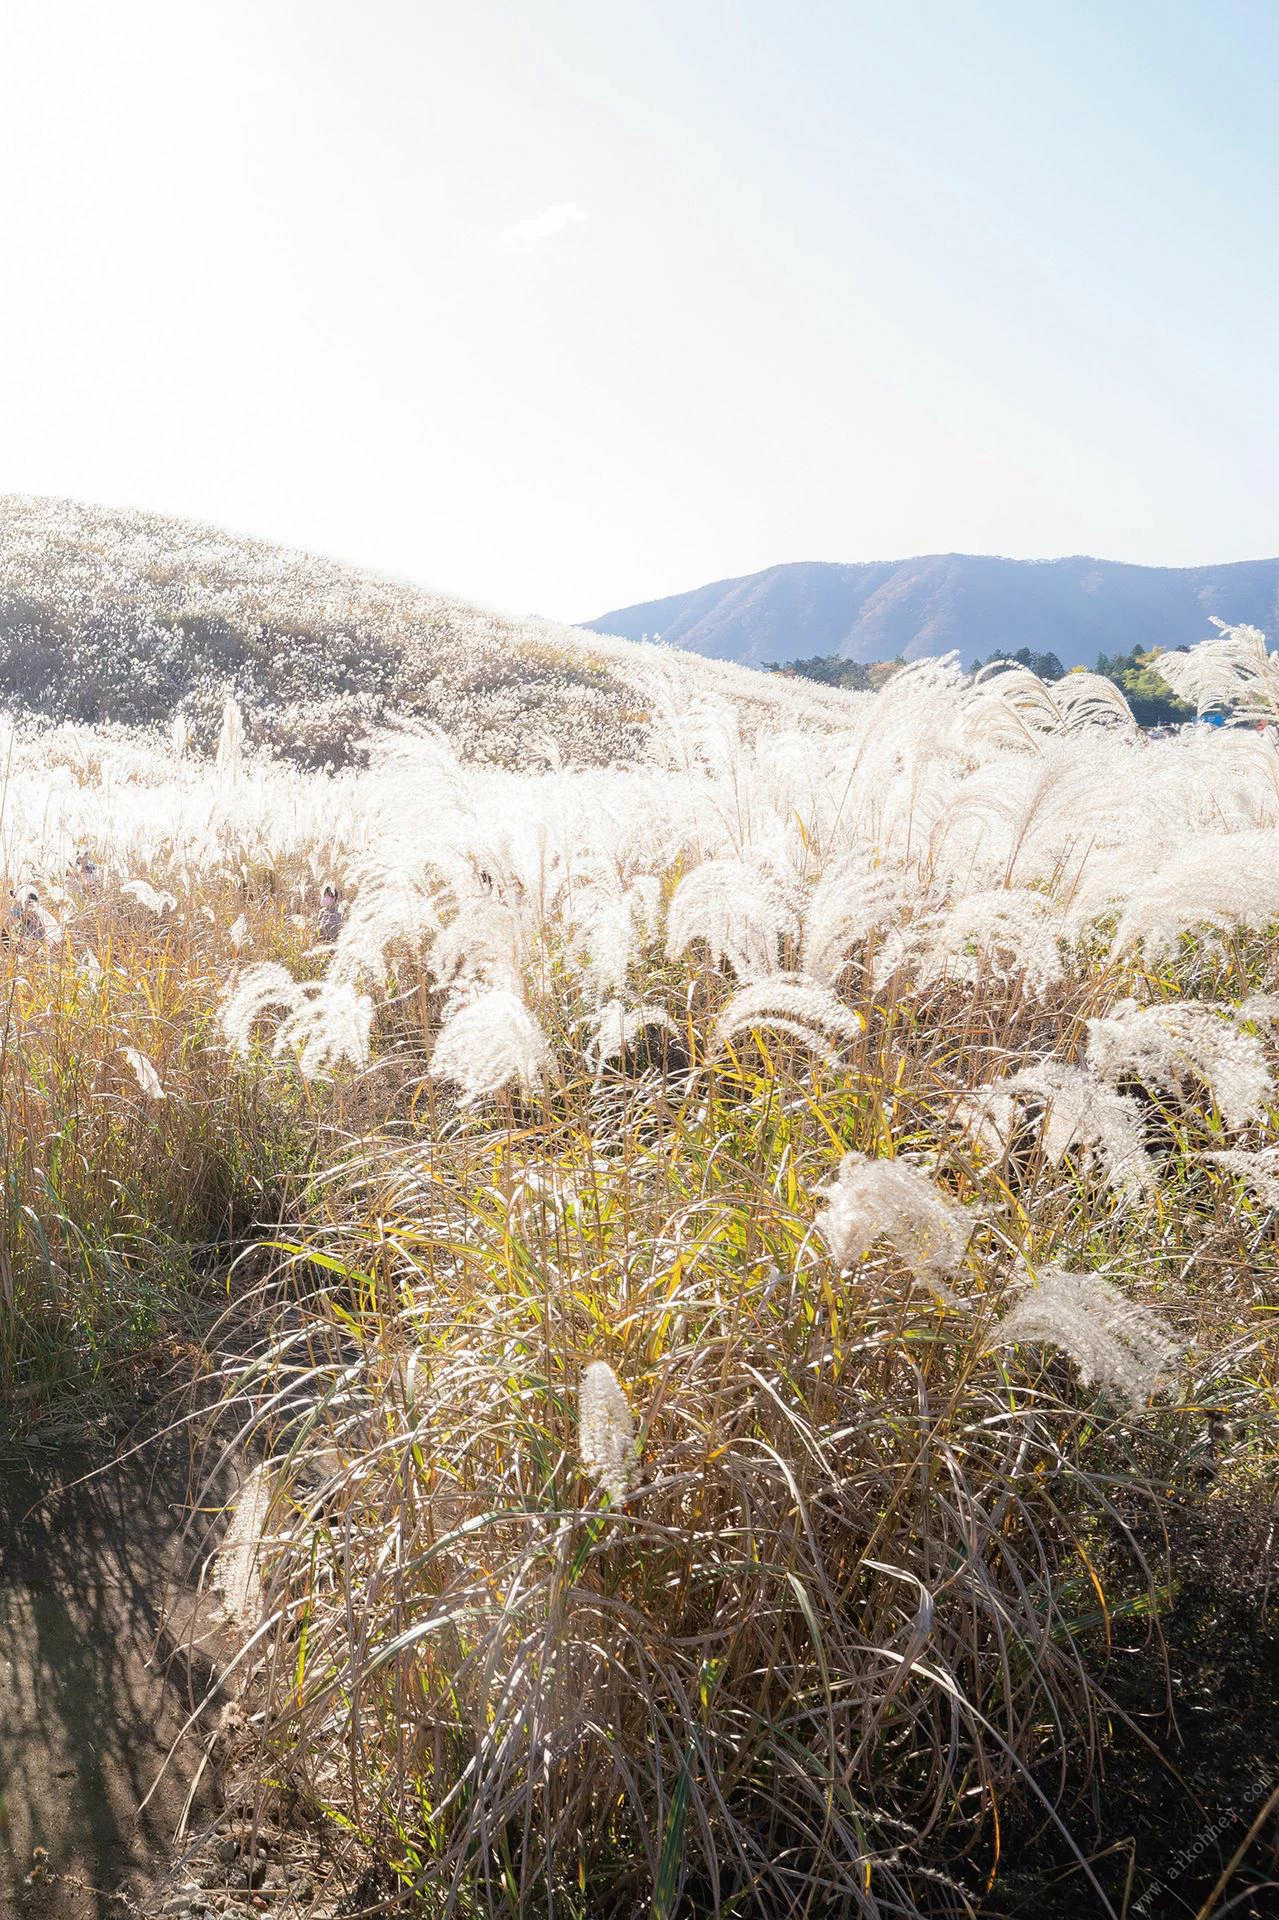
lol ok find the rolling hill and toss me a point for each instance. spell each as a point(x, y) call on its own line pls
point(141, 620)
point(976, 604)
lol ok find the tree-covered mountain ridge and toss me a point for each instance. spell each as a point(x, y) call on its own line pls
point(974, 604)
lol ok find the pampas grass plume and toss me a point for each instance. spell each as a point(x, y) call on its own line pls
point(487, 1043)
point(606, 1431)
point(870, 1200)
point(793, 1004)
point(144, 1073)
point(1114, 1342)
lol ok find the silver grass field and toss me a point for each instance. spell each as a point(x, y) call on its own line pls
point(740, 1239)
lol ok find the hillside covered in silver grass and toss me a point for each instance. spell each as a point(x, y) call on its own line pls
point(941, 830)
point(142, 620)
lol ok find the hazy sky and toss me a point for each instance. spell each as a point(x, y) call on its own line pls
point(561, 304)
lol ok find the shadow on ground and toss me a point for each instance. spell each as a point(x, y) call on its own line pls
point(90, 1701)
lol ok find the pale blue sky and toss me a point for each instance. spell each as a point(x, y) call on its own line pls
point(564, 305)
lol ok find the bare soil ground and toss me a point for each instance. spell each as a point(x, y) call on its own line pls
point(95, 1767)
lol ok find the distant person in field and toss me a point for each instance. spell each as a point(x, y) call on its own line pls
point(24, 925)
point(87, 873)
point(329, 919)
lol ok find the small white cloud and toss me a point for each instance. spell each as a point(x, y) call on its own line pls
point(527, 235)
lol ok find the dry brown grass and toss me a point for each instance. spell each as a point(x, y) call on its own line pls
point(857, 1607)
point(119, 1209)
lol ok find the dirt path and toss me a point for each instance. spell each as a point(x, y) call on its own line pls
point(91, 1699)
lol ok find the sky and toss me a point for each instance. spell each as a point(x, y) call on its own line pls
point(564, 306)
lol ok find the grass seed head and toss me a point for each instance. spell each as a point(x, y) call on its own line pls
point(606, 1431)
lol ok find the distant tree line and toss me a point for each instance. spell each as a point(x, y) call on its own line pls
point(1046, 665)
point(832, 670)
point(1153, 702)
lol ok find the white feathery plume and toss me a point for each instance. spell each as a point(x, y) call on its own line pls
point(790, 1003)
point(616, 1028)
point(1114, 1342)
point(922, 683)
point(989, 1118)
point(853, 899)
point(144, 1073)
point(1008, 706)
point(147, 896)
point(1086, 699)
point(978, 821)
point(606, 1431)
point(737, 909)
point(487, 1042)
point(1004, 933)
point(901, 946)
point(487, 943)
point(238, 933)
point(394, 912)
point(1232, 672)
point(1166, 1045)
point(328, 1027)
point(1261, 1009)
point(608, 925)
point(701, 735)
point(870, 1200)
point(249, 996)
point(1080, 1114)
point(1222, 881)
point(1259, 1170)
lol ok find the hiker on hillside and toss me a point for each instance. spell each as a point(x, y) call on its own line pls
point(328, 920)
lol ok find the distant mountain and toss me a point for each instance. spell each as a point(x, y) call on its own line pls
point(975, 603)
